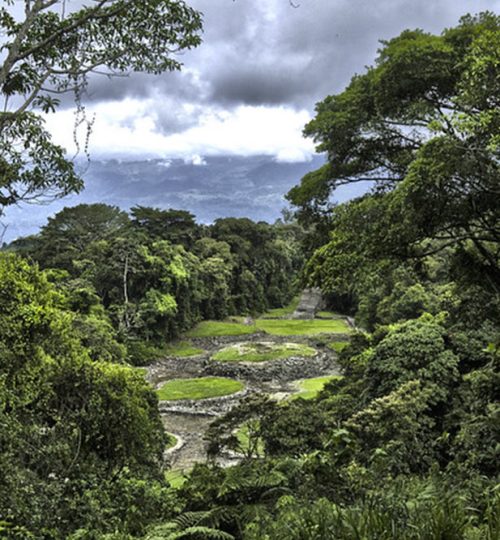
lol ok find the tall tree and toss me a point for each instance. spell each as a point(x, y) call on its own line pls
point(422, 125)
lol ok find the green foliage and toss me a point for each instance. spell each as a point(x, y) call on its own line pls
point(412, 350)
point(153, 289)
point(262, 352)
point(50, 52)
point(338, 346)
point(432, 513)
point(239, 430)
point(422, 126)
point(403, 445)
point(176, 226)
point(77, 436)
point(201, 388)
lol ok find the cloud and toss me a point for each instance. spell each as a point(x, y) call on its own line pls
point(129, 128)
point(260, 70)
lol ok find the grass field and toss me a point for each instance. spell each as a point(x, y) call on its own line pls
point(278, 327)
point(328, 315)
point(310, 388)
point(262, 352)
point(283, 311)
point(182, 349)
point(220, 328)
point(200, 388)
point(296, 327)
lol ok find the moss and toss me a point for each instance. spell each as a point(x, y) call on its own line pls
point(171, 440)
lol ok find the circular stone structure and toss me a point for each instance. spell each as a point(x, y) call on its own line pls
point(262, 351)
point(198, 388)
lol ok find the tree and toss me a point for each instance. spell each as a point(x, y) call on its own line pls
point(176, 226)
point(50, 51)
point(421, 125)
point(68, 234)
point(74, 432)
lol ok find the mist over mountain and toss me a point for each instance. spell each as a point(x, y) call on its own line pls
point(209, 187)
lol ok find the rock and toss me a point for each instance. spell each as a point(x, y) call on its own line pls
point(310, 302)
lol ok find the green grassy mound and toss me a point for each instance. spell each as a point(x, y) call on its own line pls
point(262, 352)
point(220, 328)
point(310, 388)
point(296, 327)
point(200, 388)
point(182, 349)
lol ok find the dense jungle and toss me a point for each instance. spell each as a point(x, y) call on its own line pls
point(333, 375)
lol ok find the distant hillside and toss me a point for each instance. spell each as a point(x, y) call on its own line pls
point(224, 186)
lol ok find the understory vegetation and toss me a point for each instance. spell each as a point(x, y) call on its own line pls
point(402, 446)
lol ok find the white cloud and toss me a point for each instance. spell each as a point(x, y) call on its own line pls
point(195, 159)
point(129, 128)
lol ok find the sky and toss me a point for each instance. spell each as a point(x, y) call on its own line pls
point(245, 93)
point(252, 85)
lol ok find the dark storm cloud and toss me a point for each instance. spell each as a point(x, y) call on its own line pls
point(255, 85)
point(144, 85)
point(265, 52)
point(270, 53)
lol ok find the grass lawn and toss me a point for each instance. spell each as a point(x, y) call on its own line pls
point(182, 348)
point(337, 346)
point(262, 351)
point(200, 388)
point(281, 312)
point(220, 328)
point(328, 315)
point(310, 388)
point(296, 327)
